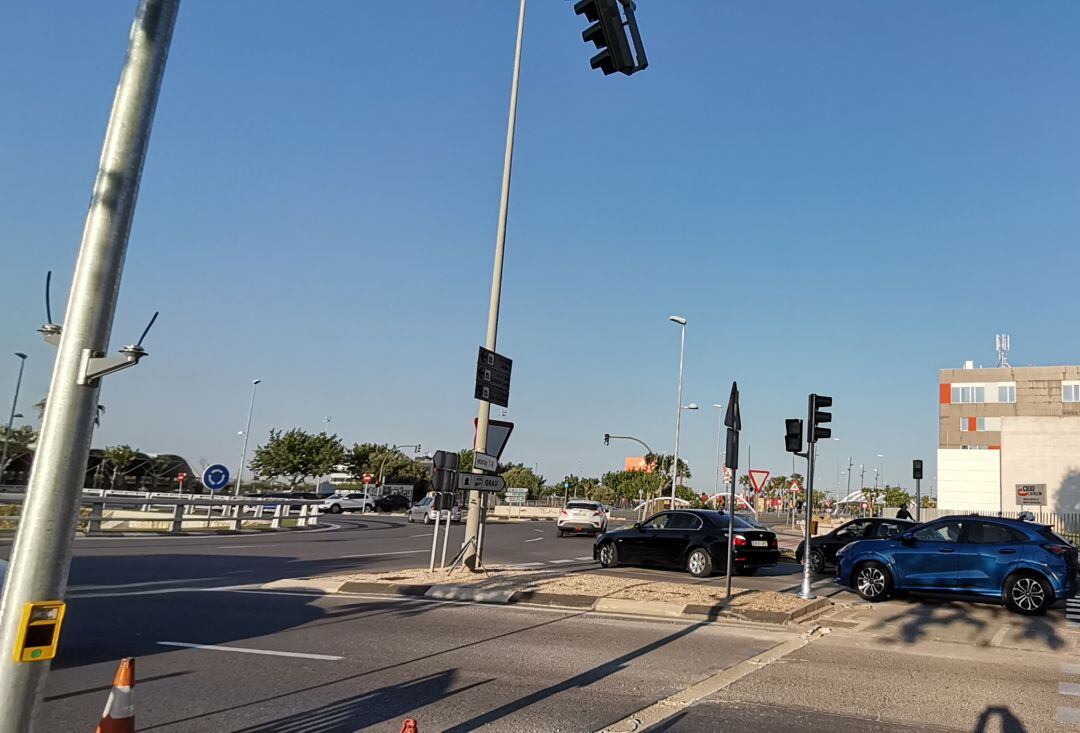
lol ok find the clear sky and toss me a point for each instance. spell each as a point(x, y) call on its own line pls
point(841, 197)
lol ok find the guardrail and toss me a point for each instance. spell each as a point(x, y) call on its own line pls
point(105, 511)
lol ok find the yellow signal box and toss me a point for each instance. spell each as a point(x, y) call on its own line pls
point(39, 631)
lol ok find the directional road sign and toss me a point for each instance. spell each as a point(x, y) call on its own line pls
point(480, 482)
point(215, 477)
point(493, 378)
point(485, 462)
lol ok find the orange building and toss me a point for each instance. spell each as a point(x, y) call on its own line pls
point(637, 463)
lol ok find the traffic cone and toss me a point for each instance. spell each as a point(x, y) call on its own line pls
point(409, 726)
point(119, 714)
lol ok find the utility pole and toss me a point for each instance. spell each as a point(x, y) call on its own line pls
point(11, 418)
point(247, 432)
point(850, 465)
point(678, 405)
point(472, 521)
point(41, 555)
point(719, 433)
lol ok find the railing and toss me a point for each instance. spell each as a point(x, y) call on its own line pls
point(1065, 523)
point(103, 511)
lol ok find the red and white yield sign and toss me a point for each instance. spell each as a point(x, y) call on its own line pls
point(794, 489)
point(758, 479)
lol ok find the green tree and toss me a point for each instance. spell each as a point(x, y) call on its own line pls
point(296, 455)
point(118, 458)
point(518, 475)
point(374, 458)
point(661, 463)
point(465, 460)
point(633, 485)
point(895, 496)
point(929, 502)
point(20, 442)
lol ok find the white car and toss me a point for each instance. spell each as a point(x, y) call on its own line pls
point(581, 516)
point(423, 511)
point(338, 503)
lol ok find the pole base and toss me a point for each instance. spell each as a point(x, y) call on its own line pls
point(807, 595)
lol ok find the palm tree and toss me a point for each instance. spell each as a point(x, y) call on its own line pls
point(40, 405)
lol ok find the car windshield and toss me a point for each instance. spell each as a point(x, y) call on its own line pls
point(583, 505)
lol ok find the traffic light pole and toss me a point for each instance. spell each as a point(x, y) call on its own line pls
point(811, 451)
point(918, 500)
point(41, 555)
point(472, 522)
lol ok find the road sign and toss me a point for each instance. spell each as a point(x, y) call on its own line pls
point(795, 488)
point(733, 422)
point(485, 462)
point(516, 490)
point(480, 482)
point(215, 477)
point(368, 478)
point(1031, 494)
point(758, 479)
point(498, 435)
point(728, 475)
point(493, 378)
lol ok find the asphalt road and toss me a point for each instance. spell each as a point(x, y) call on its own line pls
point(296, 662)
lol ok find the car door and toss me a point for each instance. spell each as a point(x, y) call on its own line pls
point(641, 544)
point(845, 534)
point(929, 558)
point(986, 554)
point(673, 541)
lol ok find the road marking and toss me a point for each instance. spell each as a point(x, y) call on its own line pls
point(426, 534)
point(534, 539)
point(381, 554)
point(538, 530)
point(256, 544)
point(528, 565)
point(1000, 635)
point(242, 650)
point(1068, 715)
point(1070, 668)
point(1068, 688)
point(586, 557)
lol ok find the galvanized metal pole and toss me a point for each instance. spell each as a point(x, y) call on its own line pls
point(731, 528)
point(11, 418)
point(811, 450)
point(719, 433)
point(41, 555)
point(247, 433)
point(918, 500)
point(678, 413)
point(472, 521)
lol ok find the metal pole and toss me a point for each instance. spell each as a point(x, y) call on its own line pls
point(731, 528)
point(41, 555)
point(445, 537)
point(678, 414)
point(719, 431)
point(918, 500)
point(850, 465)
point(472, 522)
point(811, 453)
point(247, 432)
point(11, 418)
point(434, 537)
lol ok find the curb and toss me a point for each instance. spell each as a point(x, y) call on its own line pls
point(595, 604)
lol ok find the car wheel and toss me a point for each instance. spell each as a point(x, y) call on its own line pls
point(609, 556)
point(745, 570)
point(560, 533)
point(699, 564)
point(408, 518)
point(427, 519)
point(335, 508)
point(1028, 593)
point(873, 582)
point(817, 562)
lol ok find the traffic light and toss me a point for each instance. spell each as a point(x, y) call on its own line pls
point(607, 439)
point(916, 469)
point(817, 417)
point(793, 437)
point(608, 34)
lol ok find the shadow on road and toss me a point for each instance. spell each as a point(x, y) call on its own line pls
point(1008, 723)
point(927, 618)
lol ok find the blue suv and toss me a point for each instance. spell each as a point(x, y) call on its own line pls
point(1025, 565)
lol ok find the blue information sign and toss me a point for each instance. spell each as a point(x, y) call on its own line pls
point(215, 477)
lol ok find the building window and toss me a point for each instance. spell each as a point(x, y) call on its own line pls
point(1006, 393)
point(969, 393)
point(1070, 391)
point(979, 424)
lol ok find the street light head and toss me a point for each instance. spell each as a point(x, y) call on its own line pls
point(20, 354)
point(691, 406)
point(718, 407)
point(677, 319)
point(255, 381)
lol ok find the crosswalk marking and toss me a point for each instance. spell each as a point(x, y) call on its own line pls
point(1070, 668)
point(1069, 688)
point(1068, 715)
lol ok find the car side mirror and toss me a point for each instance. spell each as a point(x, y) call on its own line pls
point(907, 538)
point(637, 525)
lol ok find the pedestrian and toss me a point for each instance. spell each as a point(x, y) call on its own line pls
point(904, 513)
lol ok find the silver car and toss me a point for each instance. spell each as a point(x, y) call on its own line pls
point(582, 516)
point(424, 511)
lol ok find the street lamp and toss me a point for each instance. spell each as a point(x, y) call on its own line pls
point(881, 468)
point(11, 419)
point(678, 403)
point(719, 430)
point(414, 446)
point(247, 433)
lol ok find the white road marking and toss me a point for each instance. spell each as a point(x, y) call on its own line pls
point(538, 530)
point(243, 650)
point(381, 554)
point(528, 565)
point(1068, 715)
point(257, 544)
point(586, 557)
point(1068, 688)
point(426, 534)
point(560, 562)
point(1070, 668)
point(534, 539)
point(1000, 635)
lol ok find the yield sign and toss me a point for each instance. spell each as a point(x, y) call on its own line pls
point(795, 489)
point(758, 479)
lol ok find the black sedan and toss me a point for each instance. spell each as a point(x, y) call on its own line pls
point(824, 547)
point(694, 539)
point(392, 503)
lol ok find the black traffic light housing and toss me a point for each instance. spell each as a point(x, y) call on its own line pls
point(793, 435)
point(608, 34)
point(818, 416)
point(916, 469)
point(607, 438)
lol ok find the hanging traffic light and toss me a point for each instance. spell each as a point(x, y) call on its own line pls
point(817, 417)
point(608, 34)
point(916, 469)
point(793, 437)
point(607, 439)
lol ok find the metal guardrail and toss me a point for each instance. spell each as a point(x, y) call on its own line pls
point(190, 508)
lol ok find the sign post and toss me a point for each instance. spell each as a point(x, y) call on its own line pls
point(916, 473)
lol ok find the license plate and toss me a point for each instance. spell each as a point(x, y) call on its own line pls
point(759, 543)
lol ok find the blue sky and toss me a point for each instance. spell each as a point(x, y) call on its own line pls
point(840, 197)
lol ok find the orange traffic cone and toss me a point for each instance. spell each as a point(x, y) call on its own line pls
point(409, 726)
point(119, 714)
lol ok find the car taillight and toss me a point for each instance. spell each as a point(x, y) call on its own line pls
point(739, 541)
point(1060, 550)
point(598, 514)
point(562, 512)
point(772, 543)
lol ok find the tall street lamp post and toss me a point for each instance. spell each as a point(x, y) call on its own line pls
point(11, 419)
point(247, 432)
point(719, 431)
point(678, 403)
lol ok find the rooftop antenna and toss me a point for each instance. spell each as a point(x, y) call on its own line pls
point(1002, 342)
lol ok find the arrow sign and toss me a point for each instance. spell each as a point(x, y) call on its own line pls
point(758, 479)
point(480, 482)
